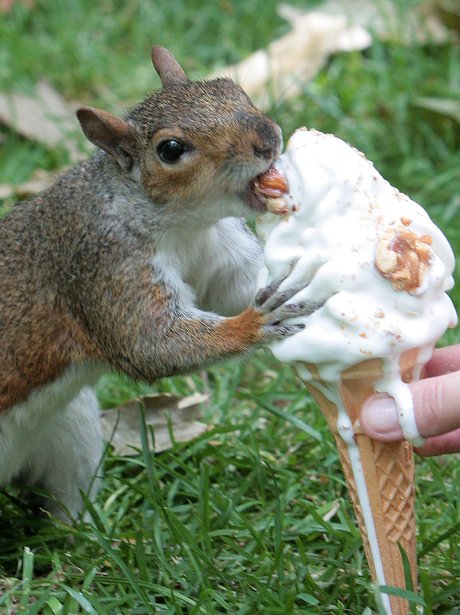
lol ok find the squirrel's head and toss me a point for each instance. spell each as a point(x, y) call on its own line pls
point(197, 147)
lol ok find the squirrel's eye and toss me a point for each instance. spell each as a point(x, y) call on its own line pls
point(170, 150)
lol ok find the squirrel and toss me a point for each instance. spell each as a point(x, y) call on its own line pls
point(136, 260)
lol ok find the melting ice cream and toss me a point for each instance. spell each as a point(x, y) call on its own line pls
point(372, 254)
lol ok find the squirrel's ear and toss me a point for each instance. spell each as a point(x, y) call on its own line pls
point(167, 67)
point(110, 133)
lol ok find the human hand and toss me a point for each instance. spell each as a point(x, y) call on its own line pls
point(436, 403)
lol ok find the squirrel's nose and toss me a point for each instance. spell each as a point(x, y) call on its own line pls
point(268, 142)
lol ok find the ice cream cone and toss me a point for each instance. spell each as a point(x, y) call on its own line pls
point(388, 473)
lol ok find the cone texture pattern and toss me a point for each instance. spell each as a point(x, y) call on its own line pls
point(388, 471)
point(392, 504)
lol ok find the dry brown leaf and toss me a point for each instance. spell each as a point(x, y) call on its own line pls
point(39, 181)
point(44, 117)
point(335, 26)
point(444, 106)
point(449, 13)
point(6, 191)
point(419, 24)
point(7, 5)
point(288, 62)
point(121, 427)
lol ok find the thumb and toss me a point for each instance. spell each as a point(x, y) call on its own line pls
point(436, 405)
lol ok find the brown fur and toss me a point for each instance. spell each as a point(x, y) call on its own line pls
point(80, 275)
point(41, 356)
point(242, 330)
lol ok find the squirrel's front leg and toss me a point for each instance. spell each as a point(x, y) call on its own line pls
point(193, 338)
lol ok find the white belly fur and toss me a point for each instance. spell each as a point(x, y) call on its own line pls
point(53, 439)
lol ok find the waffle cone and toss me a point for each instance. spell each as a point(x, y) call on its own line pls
point(388, 469)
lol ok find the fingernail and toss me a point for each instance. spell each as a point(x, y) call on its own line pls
point(379, 415)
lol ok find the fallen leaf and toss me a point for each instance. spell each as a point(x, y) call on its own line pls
point(449, 13)
point(121, 426)
point(7, 5)
point(44, 117)
point(288, 62)
point(281, 70)
point(445, 106)
point(388, 20)
point(39, 181)
point(6, 191)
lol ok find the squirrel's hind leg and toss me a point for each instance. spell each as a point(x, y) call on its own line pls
point(68, 458)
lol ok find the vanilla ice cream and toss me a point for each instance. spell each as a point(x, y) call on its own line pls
point(372, 254)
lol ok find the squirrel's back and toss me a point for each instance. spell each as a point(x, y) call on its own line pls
point(136, 260)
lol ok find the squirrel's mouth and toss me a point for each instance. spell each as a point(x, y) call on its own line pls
point(253, 199)
point(264, 189)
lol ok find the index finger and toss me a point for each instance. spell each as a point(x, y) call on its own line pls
point(437, 404)
point(441, 445)
point(444, 361)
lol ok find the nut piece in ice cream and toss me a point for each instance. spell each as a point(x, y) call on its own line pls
point(272, 187)
point(403, 258)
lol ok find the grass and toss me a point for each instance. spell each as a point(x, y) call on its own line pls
point(253, 516)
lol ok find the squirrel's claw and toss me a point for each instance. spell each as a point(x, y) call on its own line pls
point(293, 310)
point(277, 331)
point(272, 304)
point(270, 298)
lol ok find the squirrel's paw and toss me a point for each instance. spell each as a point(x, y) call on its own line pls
point(275, 306)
